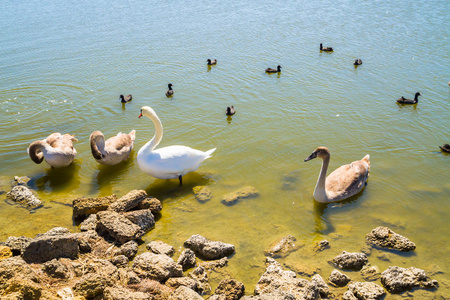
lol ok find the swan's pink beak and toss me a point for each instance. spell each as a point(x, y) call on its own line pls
point(140, 115)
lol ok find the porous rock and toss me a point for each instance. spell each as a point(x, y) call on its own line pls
point(159, 247)
point(5, 252)
point(117, 226)
point(21, 180)
point(201, 277)
point(143, 218)
point(386, 238)
point(364, 291)
point(23, 195)
point(90, 285)
point(370, 273)
point(338, 279)
point(129, 249)
point(231, 289)
point(120, 261)
point(158, 267)
point(151, 203)
point(55, 268)
point(49, 246)
point(116, 293)
point(83, 207)
point(17, 244)
point(184, 293)
point(209, 249)
point(350, 260)
point(214, 264)
point(282, 247)
point(396, 279)
point(187, 259)
point(15, 266)
point(90, 223)
point(176, 282)
point(24, 289)
point(243, 193)
point(129, 201)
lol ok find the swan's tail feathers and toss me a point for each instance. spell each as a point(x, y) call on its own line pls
point(133, 135)
point(210, 152)
point(367, 160)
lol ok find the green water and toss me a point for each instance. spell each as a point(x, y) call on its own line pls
point(63, 67)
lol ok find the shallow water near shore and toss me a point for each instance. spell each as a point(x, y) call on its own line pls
point(63, 67)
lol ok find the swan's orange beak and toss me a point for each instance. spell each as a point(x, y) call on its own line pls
point(140, 115)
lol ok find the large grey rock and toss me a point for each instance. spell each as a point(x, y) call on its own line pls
point(350, 260)
point(83, 207)
point(231, 289)
point(338, 279)
point(158, 267)
point(397, 279)
point(187, 259)
point(159, 247)
point(243, 193)
point(364, 291)
point(129, 201)
point(49, 246)
point(282, 247)
point(18, 243)
point(23, 195)
point(386, 238)
point(184, 293)
point(208, 249)
point(143, 218)
point(117, 226)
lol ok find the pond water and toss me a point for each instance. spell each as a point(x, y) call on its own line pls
point(64, 65)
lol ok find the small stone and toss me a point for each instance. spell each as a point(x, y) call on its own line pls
point(322, 245)
point(386, 238)
point(21, 180)
point(120, 261)
point(370, 273)
point(231, 288)
point(23, 195)
point(153, 204)
point(350, 260)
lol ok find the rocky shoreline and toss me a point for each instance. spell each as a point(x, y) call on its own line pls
point(101, 261)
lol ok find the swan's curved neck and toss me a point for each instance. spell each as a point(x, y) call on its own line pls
point(416, 98)
point(320, 194)
point(158, 133)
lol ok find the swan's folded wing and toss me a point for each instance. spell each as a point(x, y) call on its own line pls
point(347, 180)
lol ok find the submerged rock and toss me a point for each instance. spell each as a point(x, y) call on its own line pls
point(282, 247)
point(338, 279)
point(370, 273)
point(23, 195)
point(208, 249)
point(83, 207)
point(22, 180)
point(397, 279)
point(234, 197)
point(364, 291)
point(202, 193)
point(386, 238)
point(350, 260)
point(214, 264)
point(322, 245)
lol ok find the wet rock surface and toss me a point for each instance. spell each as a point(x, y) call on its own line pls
point(231, 289)
point(350, 260)
point(187, 259)
point(386, 238)
point(396, 279)
point(25, 196)
point(159, 247)
point(83, 207)
point(153, 204)
point(208, 249)
point(338, 279)
point(129, 201)
point(243, 193)
point(364, 291)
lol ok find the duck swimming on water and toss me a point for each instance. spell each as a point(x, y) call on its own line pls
point(403, 100)
point(211, 62)
point(270, 70)
point(125, 99)
point(170, 91)
point(329, 49)
point(230, 110)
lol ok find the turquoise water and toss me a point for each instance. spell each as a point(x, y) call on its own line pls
point(63, 67)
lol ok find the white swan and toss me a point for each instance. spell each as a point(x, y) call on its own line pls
point(115, 150)
point(57, 150)
point(343, 182)
point(168, 162)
